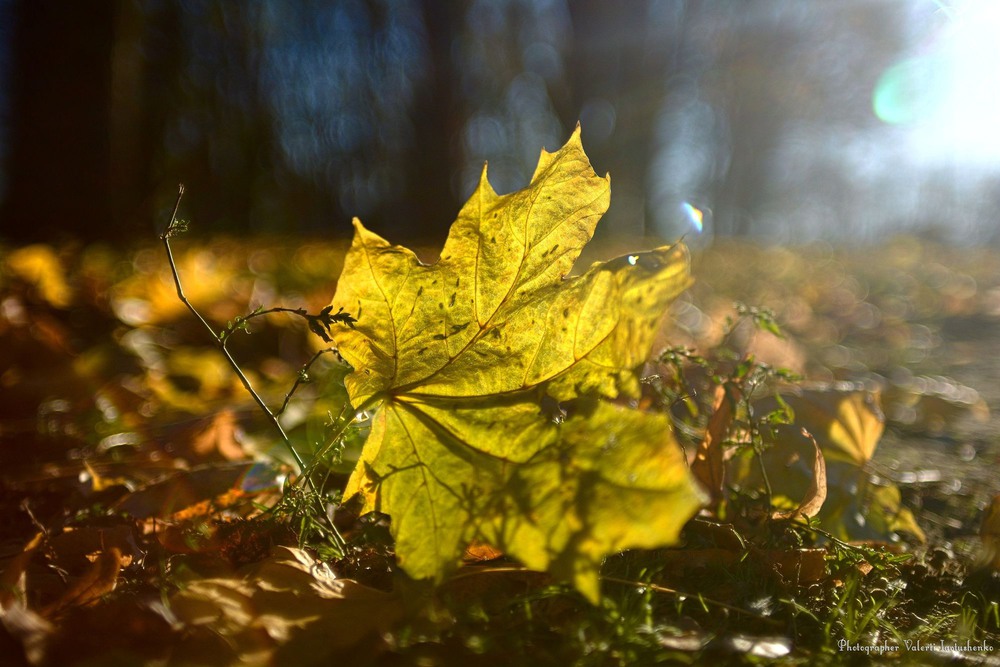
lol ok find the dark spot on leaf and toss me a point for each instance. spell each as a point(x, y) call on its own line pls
point(421, 350)
point(420, 291)
point(451, 302)
point(441, 306)
point(459, 327)
point(439, 336)
point(565, 312)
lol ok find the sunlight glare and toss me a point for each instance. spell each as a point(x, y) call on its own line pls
point(950, 94)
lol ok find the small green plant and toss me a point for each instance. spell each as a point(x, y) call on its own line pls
point(860, 614)
point(977, 616)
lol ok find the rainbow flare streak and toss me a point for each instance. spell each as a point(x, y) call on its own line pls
point(695, 215)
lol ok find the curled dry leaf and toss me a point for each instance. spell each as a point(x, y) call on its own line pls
point(99, 580)
point(844, 419)
point(815, 496)
point(12, 580)
point(25, 626)
point(708, 466)
point(846, 423)
point(219, 439)
point(478, 552)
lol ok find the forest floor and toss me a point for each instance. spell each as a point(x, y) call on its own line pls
point(142, 520)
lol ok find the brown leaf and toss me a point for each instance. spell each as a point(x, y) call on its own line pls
point(478, 552)
point(12, 580)
point(288, 609)
point(72, 550)
point(219, 439)
point(183, 489)
point(845, 419)
point(99, 580)
point(707, 466)
point(29, 630)
point(815, 495)
point(798, 566)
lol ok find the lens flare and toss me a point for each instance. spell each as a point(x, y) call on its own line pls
point(911, 91)
point(694, 215)
point(948, 96)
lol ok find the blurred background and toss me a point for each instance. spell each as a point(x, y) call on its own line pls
point(782, 120)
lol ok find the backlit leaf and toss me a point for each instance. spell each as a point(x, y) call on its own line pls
point(846, 421)
point(455, 358)
point(845, 424)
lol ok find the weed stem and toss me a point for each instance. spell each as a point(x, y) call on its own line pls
point(220, 342)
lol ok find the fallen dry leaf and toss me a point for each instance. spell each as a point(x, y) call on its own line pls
point(99, 580)
point(708, 466)
point(219, 439)
point(12, 579)
point(815, 496)
point(845, 420)
point(478, 552)
point(288, 609)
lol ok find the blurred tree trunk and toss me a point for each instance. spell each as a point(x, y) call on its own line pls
point(621, 56)
point(59, 162)
point(429, 203)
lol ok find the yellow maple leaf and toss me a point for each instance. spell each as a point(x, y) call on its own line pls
point(456, 359)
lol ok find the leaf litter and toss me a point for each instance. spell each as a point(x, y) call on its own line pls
point(112, 517)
